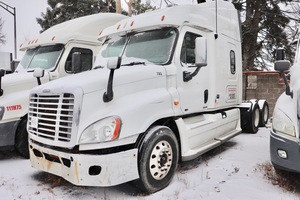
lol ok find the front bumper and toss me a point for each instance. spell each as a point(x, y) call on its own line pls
point(85, 169)
point(292, 149)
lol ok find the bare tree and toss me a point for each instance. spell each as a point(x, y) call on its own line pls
point(129, 4)
point(118, 6)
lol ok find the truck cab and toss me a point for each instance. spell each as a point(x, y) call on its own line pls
point(52, 53)
point(166, 87)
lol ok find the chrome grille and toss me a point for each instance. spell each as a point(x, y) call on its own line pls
point(51, 116)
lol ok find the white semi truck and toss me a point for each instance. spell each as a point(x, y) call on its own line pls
point(51, 51)
point(166, 88)
point(285, 133)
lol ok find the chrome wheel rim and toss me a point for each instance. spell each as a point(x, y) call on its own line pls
point(161, 160)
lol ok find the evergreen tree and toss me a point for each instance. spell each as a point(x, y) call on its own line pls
point(265, 23)
point(63, 10)
point(139, 7)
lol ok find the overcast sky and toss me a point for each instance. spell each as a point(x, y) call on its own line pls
point(27, 27)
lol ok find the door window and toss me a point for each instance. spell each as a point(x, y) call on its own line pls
point(86, 59)
point(187, 54)
point(232, 62)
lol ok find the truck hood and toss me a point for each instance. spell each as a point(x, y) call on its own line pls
point(97, 79)
point(19, 82)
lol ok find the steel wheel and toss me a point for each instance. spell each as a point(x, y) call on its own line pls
point(158, 157)
point(161, 160)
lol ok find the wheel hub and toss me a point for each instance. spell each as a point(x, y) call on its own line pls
point(161, 160)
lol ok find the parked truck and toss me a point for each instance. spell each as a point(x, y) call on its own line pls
point(166, 87)
point(52, 52)
point(285, 138)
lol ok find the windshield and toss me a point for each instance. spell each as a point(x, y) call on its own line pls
point(296, 45)
point(153, 46)
point(44, 57)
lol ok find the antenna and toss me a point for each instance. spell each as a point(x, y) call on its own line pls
point(216, 34)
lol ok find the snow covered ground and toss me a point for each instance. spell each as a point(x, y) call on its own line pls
point(228, 172)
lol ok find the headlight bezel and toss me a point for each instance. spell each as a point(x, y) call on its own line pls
point(282, 124)
point(104, 130)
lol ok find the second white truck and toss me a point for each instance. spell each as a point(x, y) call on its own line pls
point(52, 52)
point(166, 88)
point(285, 132)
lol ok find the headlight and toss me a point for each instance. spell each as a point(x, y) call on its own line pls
point(103, 130)
point(2, 110)
point(282, 123)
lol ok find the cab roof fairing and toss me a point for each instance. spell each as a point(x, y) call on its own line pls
point(85, 28)
point(200, 15)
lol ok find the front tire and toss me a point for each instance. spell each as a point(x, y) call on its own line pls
point(21, 139)
point(158, 158)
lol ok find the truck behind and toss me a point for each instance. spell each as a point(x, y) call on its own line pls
point(51, 53)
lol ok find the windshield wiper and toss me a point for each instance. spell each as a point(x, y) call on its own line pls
point(134, 63)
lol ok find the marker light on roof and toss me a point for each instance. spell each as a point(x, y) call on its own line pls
point(118, 26)
point(53, 38)
point(162, 18)
point(36, 40)
point(131, 24)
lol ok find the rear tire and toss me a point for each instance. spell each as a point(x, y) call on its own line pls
point(158, 158)
point(254, 119)
point(21, 139)
point(264, 114)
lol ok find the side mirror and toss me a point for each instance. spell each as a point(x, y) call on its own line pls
point(114, 63)
point(282, 65)
point(2, 73)
point(13, 65)
point(201, 52)
point(76, 62)
point(279, 54)
point(200, 58)
point(38, 73)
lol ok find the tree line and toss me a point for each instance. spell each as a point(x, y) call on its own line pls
point(272, 24)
